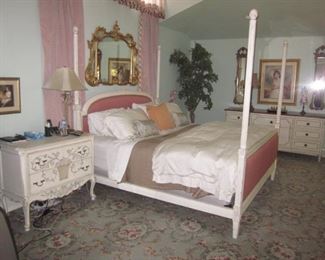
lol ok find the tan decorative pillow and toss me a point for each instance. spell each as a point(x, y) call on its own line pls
point(161, 116)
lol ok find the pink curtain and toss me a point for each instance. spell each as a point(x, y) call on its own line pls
point(148, 56)
point(57, 19)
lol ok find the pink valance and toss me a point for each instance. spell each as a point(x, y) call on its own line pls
point(151, 7)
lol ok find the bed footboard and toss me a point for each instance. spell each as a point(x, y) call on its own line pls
point(258, 163)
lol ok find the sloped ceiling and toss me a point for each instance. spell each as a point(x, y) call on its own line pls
point(224, 19)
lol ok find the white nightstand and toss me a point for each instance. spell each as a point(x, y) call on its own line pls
point(45, 169)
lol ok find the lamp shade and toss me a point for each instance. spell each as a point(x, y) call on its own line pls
point(64, 79)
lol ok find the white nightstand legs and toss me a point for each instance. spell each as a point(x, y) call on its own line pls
point(26, 214)
point(92, 186)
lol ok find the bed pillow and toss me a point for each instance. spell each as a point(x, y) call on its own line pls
point(161, 116)
point(173, 108)
point(180, 119)
point(143, 107)
point(121, 123)
point(145, 128)
point(96, 122)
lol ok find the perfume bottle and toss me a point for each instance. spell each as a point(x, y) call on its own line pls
point(63, 126)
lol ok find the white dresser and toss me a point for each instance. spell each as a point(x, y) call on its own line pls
point(298, 134)
point(45, 169)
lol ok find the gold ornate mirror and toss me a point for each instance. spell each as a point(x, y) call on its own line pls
point(318, 91)
point(112, 59)
point(241, 56)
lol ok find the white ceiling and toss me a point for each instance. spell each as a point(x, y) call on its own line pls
point(224, 19)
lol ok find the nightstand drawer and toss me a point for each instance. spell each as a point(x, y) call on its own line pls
point(51, 158)
point(65, 171)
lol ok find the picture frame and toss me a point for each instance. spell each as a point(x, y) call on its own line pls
point(119, 70)
point(9, 95)
point(270, 75)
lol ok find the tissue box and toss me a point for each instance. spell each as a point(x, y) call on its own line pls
point(34, 135)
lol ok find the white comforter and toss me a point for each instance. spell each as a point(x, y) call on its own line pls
point(205, 157)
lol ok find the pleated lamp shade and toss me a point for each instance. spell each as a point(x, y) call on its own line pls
point(64, 79)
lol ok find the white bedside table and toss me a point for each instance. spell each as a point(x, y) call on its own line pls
point(45, 169)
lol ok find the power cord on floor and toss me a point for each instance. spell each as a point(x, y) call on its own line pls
point(40, 221)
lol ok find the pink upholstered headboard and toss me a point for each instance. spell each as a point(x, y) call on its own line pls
point(106, 101)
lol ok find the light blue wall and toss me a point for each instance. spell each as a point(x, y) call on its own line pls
point(21, 56)
point(224, 64)
point(170, 40)
point(21, 53)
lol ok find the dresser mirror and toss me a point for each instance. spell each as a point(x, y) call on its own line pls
point(241, 57)
point(318, 90)
point(112, 58)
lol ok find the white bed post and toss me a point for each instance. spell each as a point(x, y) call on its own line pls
point(280, 98)
point(244, 129)
point(283, 70)
point(76, 99)
point(158, 75)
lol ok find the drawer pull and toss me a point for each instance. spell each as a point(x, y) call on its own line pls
point(39, 184)
point(306, 134)
point(84, 168)
point(238, 117)
point(271, 122)
point(308, 123)
point(305, 145)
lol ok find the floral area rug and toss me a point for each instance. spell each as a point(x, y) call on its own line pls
point(285, 221)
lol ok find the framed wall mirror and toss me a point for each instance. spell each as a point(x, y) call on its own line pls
point(112, 58)
point(318, 89)
point(241, 57)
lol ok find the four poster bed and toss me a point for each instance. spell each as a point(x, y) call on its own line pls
point(225, 167)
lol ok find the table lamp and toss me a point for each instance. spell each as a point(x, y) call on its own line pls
point(65, 80)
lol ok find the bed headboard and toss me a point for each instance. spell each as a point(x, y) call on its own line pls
point(106, 101)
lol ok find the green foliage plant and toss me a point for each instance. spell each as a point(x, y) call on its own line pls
point(195, 79)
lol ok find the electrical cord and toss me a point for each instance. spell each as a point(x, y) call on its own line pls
point(40, 221)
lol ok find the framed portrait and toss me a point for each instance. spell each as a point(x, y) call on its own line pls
point(9, 95)
point(119, 70)
point(270, 76)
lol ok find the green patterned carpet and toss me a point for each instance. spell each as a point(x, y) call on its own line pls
point(285, 221)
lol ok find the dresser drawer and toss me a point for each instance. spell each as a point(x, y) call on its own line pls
point(234, 116)
point(308, 123)
point(301, 133)
point(307, 146)
point(51, 158)
point(64, 171)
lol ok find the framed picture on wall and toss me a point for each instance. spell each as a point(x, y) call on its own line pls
point(9, 95)
point(270, 77)
point(119, 70)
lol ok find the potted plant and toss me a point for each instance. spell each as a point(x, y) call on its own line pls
point(195, 78)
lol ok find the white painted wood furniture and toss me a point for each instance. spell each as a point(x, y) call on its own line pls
point(45, 169)
point(298, 134)
point(101, 102)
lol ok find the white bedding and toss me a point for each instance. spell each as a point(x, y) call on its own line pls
point(112, 155)
point(205, 156)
